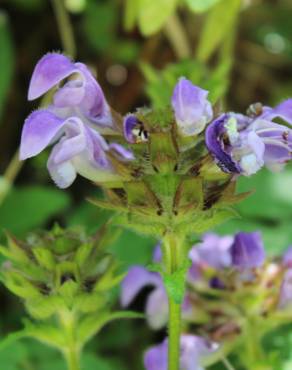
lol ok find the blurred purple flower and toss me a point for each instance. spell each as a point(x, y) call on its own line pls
point(244, 144)
point(247, 250)
point(191, 108)
point(286, 290)
point(139, 277)
point(287, 257)
point(214, 251)
point(193, 350)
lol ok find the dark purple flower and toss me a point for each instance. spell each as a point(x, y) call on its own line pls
point(244, 144)
point(193, 351)
point(80, 95)
point(78, 149)
point(134, 131)
point(247, 250)
point(191, 108)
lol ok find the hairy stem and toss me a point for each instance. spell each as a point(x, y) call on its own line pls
point(177, 36)
point(172, 256)
point(72, 358)
point(65, 27)
point(72, 350)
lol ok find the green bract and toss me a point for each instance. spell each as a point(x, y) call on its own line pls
point(173, 184)
point(64, 279)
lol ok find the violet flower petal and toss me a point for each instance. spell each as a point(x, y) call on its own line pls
point(282, 110)
point(40, 129)
point(193, 350)
point(130, 122)
point(191, 108)
point(247, 250)
point(137, 278)
point(215, 145)
point(287, 257)
point(214, 250)
point(286, 290)
point(121, 152)
point(51, 69)
point(157, 308)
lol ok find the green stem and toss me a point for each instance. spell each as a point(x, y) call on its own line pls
point(10, 175)
point(172, 256)
point(72, 351)
point(65, 27)
point(72, 358)
point(174, 329)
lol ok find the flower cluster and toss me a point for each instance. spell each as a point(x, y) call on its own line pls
point(157, 167)
point(73, 122)
point(229, 282)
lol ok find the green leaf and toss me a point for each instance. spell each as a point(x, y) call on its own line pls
point(130, 13)
point(153, 14)
point(219, 23)
point(131, 248)
point(200, 6)
point(29, 207)
point(105, 16)
point(6, 60)
point(92, 324)
point(175, 283)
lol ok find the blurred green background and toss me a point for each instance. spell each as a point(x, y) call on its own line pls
point(134, 71)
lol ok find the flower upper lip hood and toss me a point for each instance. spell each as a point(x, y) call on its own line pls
point(191, 107)
point(82, 92)
point(244, 144)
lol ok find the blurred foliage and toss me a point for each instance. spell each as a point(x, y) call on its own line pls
point(135, 71)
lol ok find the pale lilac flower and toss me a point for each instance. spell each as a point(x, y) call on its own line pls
point(287, 257)
point(214, 251)
point(286, 290)
point(191, 107)
point(193, 351)
point(78, 148)
point(139, 277)
point(247, 250)
point(77, 91)
point(244, 144)
point(72, 123)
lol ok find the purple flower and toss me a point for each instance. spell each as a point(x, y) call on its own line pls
point(72, 123)
point(134, 131)
point(244, 144)
point(78, 149)
point(193, 350)
point(79, 95)
point(139, 277)
point(247, 250)
point(191, 108)
point(214, 250)
point(287, 257)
